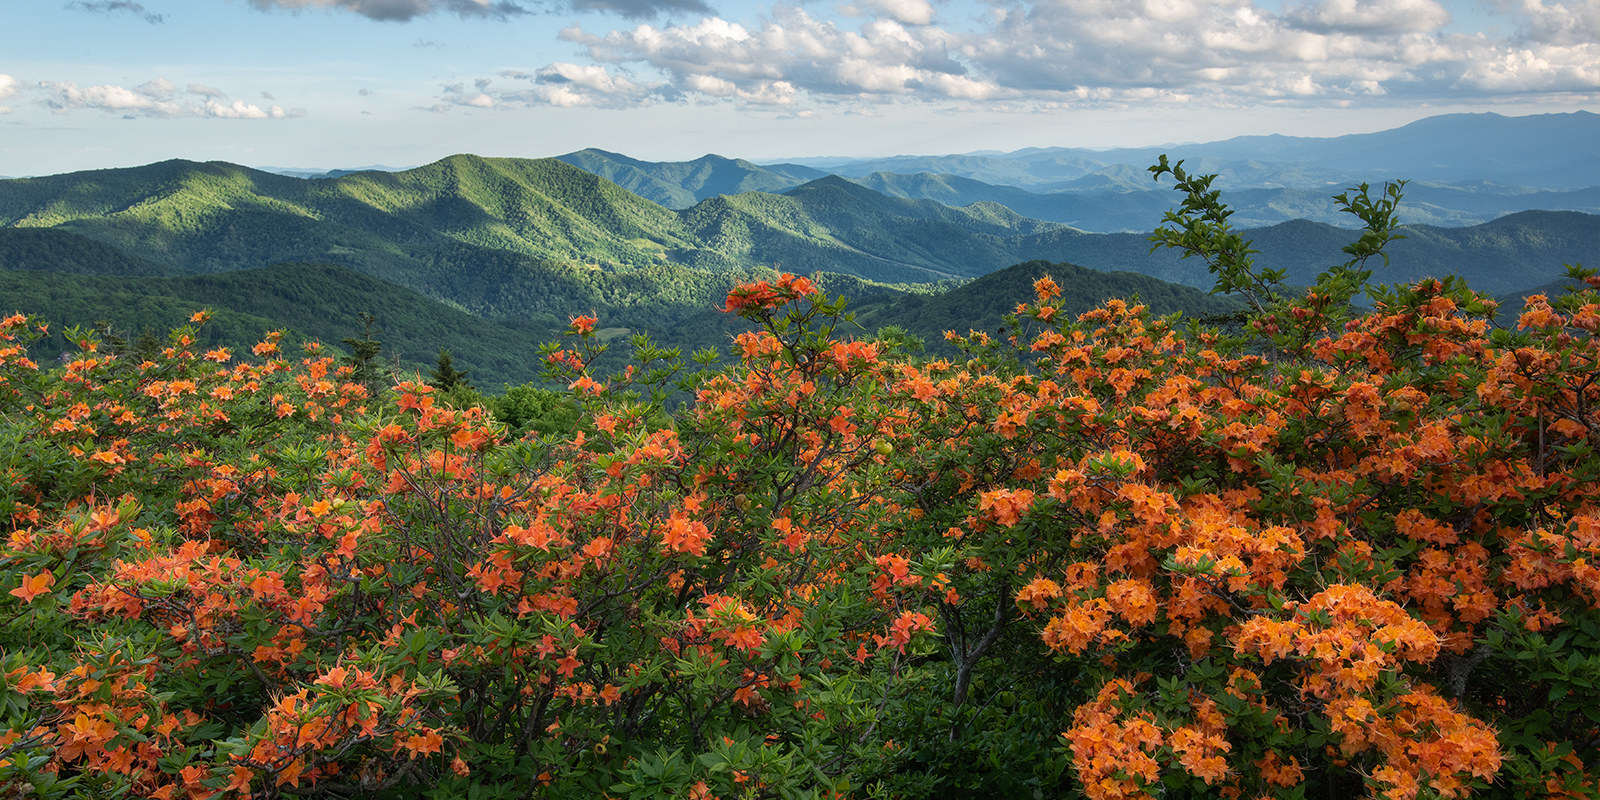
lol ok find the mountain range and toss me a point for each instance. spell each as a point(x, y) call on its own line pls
point(1551, 151)
point(1463, 169)
point(441, 228)
point(520, 245)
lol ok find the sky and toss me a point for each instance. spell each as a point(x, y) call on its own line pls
point(88, 84)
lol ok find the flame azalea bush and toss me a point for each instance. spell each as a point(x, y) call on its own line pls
point(1112, 557)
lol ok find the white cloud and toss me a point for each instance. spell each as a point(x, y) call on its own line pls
point(65, 95)
point(1534, 69)
point(238, 109)
point(155, 98)
point(790, 54)
point(1043, 54)
point(9, 86)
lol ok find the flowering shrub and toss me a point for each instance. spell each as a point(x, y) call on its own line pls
point(1112, 555)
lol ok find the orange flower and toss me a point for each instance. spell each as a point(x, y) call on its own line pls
point(33, 586)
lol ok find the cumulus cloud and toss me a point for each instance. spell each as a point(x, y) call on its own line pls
point(114, 6)
point(1046, 54)
point(154, 98)
point(793, 52)
point(1547, 68)
point(9, 86)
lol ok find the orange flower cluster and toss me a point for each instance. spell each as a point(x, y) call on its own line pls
point(1366, 565)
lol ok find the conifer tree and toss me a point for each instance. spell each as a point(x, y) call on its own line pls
point(445, 376)
point(364, 356)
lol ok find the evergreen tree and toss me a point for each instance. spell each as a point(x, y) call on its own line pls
point(147, 347)
point(363, 356)
point(110, 340)
point(445, 376)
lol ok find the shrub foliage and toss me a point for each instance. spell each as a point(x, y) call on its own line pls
point(1113, 556)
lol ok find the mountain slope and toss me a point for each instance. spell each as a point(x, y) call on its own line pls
point(54, 250)
point(832, 224)
point(311, 301)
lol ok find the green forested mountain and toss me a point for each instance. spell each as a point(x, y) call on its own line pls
point(529, 243)
point(57, 250)
point(681, 184)
point(833, 224)
point(491, 235)
point(214, 217)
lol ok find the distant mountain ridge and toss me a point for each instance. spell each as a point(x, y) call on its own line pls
point(1464, 169)
point(299, 172)
point(1548, 151)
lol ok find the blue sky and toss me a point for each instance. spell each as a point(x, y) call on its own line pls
point(342, 83)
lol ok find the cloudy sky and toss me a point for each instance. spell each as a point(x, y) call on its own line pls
point(345, 83)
